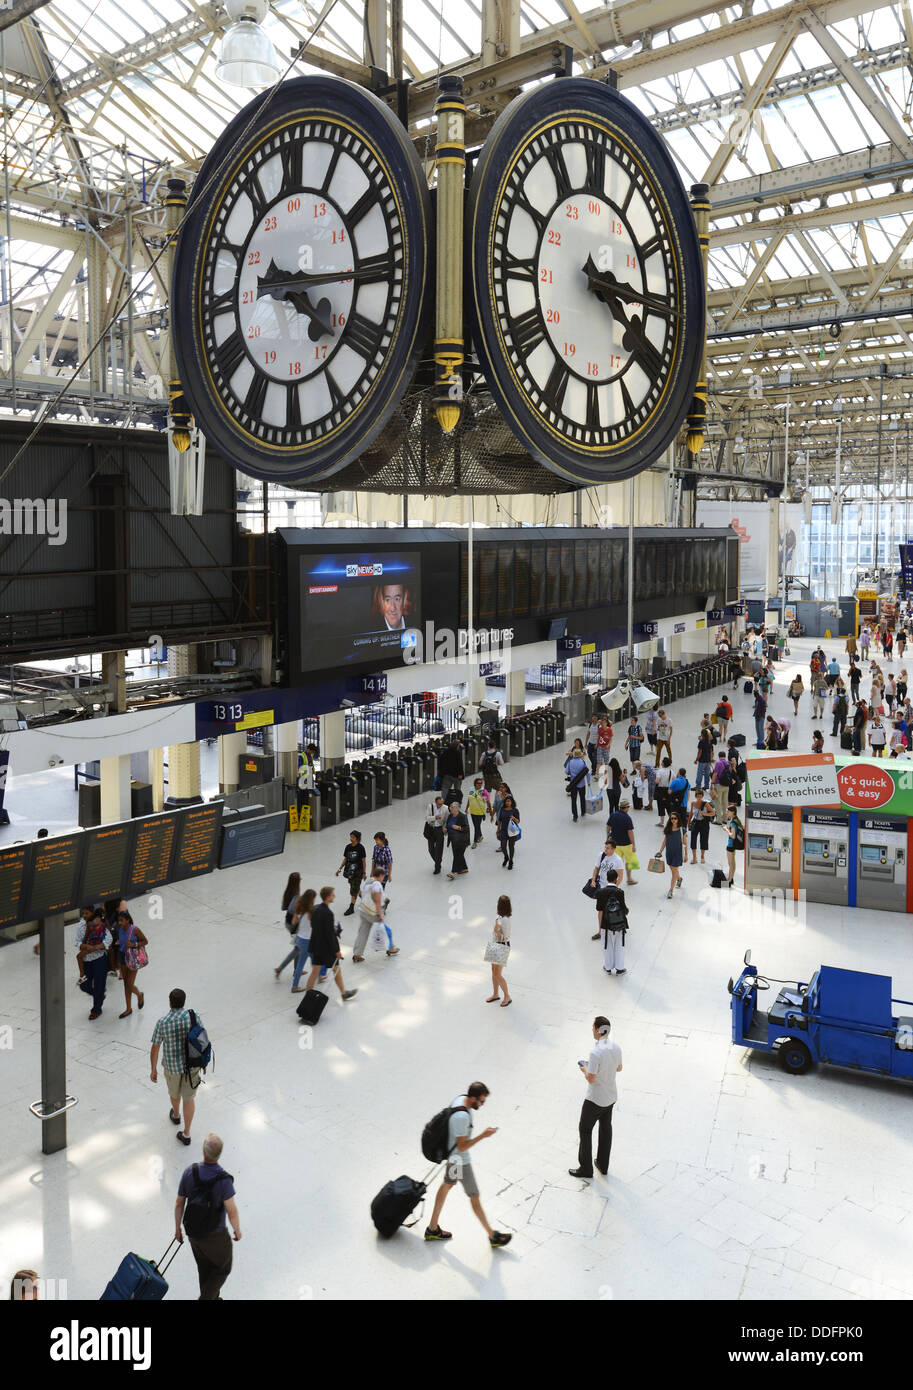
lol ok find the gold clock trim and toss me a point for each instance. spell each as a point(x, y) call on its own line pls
point(585, 117)
point(199, 258)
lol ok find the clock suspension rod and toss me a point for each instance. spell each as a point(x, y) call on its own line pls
point(179, 417)
point(450, 114)
point(700, 207)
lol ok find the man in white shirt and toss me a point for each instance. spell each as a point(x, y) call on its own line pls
point(459, 1168)
point(93, 941)
point(600, 1070)
point(435, 820)
point(878, 737)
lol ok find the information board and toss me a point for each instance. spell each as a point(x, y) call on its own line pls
point(253, 839)
point(13, 874)
point(198, 832)
point(54, 877)
point(107, 861)
point(150, 863)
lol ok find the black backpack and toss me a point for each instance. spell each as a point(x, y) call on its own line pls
point(614, 913)
point(435, 1135)
point(489, 763)
point(202, 1215)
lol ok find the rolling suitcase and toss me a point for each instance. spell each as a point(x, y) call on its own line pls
point(846, 739)
point(736, 740)
point(748, 687)
point(311, 1007)
point(395, 1201)
point(138, 1280)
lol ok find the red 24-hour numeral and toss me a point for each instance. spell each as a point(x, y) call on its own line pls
point(552, 316)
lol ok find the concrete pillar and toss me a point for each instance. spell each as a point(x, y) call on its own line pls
point(114, 675)
point(575, 675)
point(516, 691)
point(157, 777)
point(286, 748)
point(476, 686)
point(610, 666)
point(333, 739)
point(183, 770)
point(115, 788)
point(232, 748)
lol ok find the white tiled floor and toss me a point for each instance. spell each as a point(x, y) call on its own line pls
point(728, 1180)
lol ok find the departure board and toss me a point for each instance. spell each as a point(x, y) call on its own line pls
point(199, 829)
point(107, 861)
point(13, 874)
point(54, 877)
point(253, 839)
point(150, 864)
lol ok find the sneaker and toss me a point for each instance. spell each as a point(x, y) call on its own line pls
point(432, 1233)
point(175, 1119)
point(620, 972)
point(350, 994)
point(499, 1238)
point(393, 951)
point(182, 1137)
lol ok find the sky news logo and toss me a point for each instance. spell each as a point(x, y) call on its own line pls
point(39, 516)
point(363, 571)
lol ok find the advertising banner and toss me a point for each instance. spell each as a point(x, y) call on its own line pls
point(906, 569)
point(751, 523)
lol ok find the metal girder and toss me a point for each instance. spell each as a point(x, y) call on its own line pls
point(756, 272)
point(866, 94)
point(18, 10)
point(798, 183)
point(751, 101)
point(811, 316)
point(835, 214)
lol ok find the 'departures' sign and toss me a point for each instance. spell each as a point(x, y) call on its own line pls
point(797, 779)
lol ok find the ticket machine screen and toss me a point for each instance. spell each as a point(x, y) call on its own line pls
point(814, 849)
point(759, 843)
point(871, 854)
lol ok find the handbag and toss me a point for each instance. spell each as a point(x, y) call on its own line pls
point(656, 866)
point(378, 937)
point(589, 890)
point(513, 830)
point(135, 957)
point(496, 952)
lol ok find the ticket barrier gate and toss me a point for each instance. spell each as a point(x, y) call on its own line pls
point(769, 847)
point(500, 735)
point(365, 788)
point(537, 730)
point(399, 768)
point(348, 795)
point(413, 770)
point(881, 863)
point(560, 718)
point(517, 732)
point(824, 863)
point(427, 766)
point(551, 728)
point(328, 792)
point(383, 782)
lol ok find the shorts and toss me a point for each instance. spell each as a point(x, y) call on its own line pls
point(625, 853)
point(181, 1086)
point(461, 1171)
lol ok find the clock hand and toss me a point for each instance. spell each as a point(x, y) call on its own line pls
point(319, 324)
point(276, 279)
point(605, 281)
point(634, 339)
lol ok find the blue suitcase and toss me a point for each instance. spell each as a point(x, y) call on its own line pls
point(139, 1280)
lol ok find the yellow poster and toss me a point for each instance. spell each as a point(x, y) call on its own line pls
point(257, 719)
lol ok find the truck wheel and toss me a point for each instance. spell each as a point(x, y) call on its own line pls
point(795, 1056)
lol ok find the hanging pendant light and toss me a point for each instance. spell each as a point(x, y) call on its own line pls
point(247, 57)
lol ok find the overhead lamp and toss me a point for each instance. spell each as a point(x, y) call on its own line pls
point(644, 698)
point(247, 57)
point(615, 698)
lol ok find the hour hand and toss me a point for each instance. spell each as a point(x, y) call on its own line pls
point(278, 284)
point(615, 293)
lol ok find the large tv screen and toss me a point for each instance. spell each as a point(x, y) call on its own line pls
point(358, 606)
point(256, 838)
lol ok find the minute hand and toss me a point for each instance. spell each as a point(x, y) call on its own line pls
point(304, 279)
point(599, 280)
point(634, 339)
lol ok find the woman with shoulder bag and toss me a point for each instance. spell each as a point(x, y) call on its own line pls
point(508, 831)
point(497, 951)
point(458, 838)
point(736, 840)
point(133, 957)
point(616, 781)
point(673, 846)
point(289, 898)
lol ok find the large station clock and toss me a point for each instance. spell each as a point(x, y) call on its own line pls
point(586, 284)
point(299, 295)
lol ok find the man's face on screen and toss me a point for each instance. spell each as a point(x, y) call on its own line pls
point(392, 598)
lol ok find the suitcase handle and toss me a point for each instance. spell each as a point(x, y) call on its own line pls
point(159, 1265)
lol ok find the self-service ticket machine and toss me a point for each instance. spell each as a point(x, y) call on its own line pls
point(881, 863)
point(768, 847)
point(824, 865)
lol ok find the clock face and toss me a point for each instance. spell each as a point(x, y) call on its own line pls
point(303, 272)
point(587, 285)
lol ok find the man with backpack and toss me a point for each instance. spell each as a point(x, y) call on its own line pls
point(720, 777)
point(492, 761)
point(613, 923)
point(447, 1138)
point(172, 1032)
point(206, 1195)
